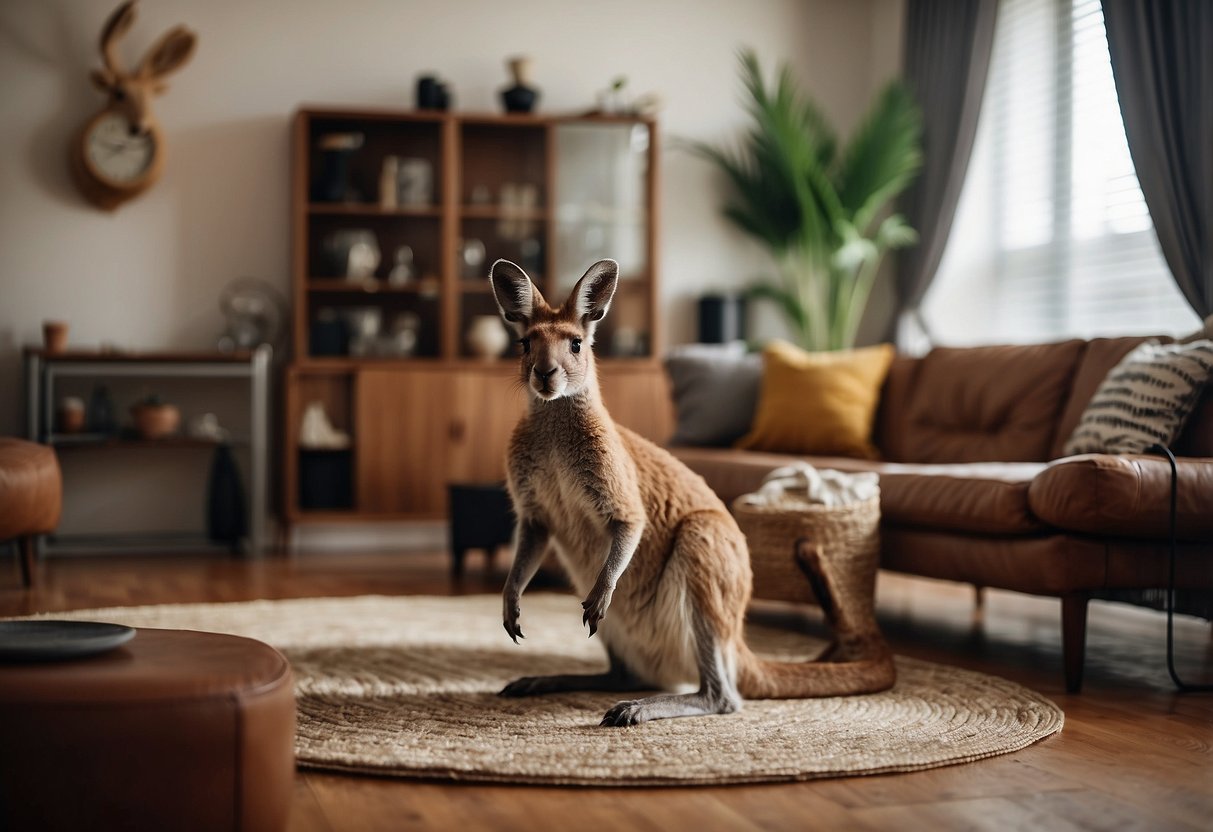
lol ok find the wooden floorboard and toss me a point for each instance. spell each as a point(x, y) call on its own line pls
point(1135, 754)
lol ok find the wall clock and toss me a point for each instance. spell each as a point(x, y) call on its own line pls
point(119, 152)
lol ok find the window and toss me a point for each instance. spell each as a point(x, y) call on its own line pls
point(1051, 238)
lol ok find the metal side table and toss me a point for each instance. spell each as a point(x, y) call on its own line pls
point(43, 371)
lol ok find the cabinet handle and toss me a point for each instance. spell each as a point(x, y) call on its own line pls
point(457, 430)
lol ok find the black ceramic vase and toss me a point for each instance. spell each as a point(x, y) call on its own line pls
point(521, 97)
point(432, 94)
point(337, 150)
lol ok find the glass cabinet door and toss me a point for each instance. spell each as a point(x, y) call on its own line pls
point(600, 211)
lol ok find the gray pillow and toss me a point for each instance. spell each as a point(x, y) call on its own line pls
point(715, 390)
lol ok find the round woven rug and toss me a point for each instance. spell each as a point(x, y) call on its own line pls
point(407, 687)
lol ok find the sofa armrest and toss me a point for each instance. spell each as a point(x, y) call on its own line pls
point(1126, 495)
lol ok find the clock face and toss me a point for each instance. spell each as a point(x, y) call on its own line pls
point(116, 154)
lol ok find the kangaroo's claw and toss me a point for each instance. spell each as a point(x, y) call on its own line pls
point(595, 608)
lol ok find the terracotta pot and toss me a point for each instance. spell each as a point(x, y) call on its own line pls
point(54, 337)
point(71, 415)
point(156, 421)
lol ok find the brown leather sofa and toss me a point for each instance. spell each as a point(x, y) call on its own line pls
point(974, 489)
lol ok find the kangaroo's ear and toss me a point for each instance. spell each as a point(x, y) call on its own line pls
point(515, 294)
point(591, 297)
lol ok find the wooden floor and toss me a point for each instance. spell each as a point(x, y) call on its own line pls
point(1134, 754)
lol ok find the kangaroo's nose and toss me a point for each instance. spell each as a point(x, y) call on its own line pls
point(543, 375)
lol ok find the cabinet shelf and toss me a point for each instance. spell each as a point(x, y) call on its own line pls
point(66, 441)
point(371, 286)
point(370, 209)
point(344, 363)
point(498, 212)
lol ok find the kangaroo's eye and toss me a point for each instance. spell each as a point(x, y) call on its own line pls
point(526, 345)
point(576, 345)
point(119, 94)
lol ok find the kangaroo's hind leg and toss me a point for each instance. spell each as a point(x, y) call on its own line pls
point(717, 692)
point(617, 679)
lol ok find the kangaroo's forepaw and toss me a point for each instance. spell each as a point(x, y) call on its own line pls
point(624, 714)
point(595, 607)
point(510, 621)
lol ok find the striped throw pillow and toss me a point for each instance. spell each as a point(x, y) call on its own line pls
point(1144, 400)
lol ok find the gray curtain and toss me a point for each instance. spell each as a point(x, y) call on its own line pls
point(947, 57)
point(1162, 59)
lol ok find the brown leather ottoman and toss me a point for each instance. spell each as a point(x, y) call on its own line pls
point(31, 496)
point(173, 730)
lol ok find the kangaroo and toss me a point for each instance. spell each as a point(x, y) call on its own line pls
point(659, 560)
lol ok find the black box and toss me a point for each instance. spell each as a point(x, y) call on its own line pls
point(326, 479)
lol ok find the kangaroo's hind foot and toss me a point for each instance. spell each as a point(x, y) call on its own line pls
point(618, 679)
point(717, 692)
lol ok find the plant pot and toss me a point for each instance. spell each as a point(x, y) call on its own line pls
point(156, 421)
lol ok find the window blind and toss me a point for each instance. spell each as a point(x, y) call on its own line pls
point(1052, 237)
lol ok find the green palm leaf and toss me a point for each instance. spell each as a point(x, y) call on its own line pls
point(790, 189)
point(787, 302)
point(883, 156)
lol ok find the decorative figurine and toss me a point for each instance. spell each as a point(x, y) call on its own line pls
point(389, 191)
point(403, 271)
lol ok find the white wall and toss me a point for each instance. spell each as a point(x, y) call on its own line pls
point(149, 275)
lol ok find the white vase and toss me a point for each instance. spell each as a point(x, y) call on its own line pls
point(487, 337)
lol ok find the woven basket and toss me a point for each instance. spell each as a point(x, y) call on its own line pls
point(849, 537)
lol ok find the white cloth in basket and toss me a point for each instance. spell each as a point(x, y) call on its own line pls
point(800, 482)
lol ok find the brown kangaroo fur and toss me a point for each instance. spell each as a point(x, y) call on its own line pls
point(644, 537)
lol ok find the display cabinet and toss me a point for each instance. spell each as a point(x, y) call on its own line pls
point(396, 217)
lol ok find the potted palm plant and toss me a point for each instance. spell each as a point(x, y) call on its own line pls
point(817, 208)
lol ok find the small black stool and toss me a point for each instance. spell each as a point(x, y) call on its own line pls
point(481, 518)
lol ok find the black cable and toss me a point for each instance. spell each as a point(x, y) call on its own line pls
point(1162, 450)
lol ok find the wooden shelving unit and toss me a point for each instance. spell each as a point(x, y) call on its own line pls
point(552, 193)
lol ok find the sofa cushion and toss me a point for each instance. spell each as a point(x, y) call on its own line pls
point(984, 404)
point(1145, 399)
point(715, 389)
point(889, 433)
point(979, 498)
point(1099, 356)
point(818, 402)
point(1130, 496)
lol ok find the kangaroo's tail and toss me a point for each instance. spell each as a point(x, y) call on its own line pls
point(761, 679)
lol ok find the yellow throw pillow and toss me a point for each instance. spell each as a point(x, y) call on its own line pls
point(818, 402)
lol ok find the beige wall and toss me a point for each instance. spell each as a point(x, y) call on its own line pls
point(149, 275)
